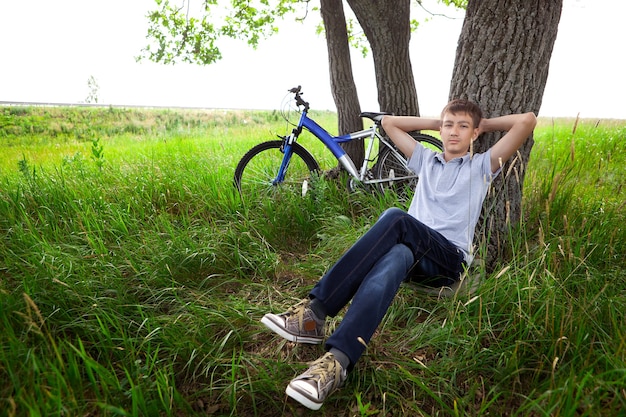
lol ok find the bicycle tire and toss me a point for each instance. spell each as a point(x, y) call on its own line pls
point(257, 169)
point(389, 166)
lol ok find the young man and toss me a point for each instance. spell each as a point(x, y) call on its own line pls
point(436, 234)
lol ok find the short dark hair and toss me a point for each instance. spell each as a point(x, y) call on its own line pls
point(464, 106)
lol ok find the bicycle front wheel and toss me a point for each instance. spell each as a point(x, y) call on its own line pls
point(392, 168)
point(256, 172)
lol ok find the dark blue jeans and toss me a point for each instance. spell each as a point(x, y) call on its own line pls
point(371, 271)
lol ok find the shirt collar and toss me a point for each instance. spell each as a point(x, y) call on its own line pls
point(461, 160)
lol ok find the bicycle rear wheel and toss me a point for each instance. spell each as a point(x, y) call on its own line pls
point(391, 166)
point(256, 171)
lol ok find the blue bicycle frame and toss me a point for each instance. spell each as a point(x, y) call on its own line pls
point(331, 142)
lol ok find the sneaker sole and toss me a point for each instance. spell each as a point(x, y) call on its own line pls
point(302, 398)
point(279, 330)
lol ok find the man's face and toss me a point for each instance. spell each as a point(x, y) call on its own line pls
point(457, 133)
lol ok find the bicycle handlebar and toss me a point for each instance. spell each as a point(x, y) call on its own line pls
point(299, 101)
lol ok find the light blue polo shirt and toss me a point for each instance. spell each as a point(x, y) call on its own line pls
point(449, 195)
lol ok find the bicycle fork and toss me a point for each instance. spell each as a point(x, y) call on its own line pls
point(287, 150)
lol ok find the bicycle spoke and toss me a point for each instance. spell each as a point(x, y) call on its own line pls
point(392, 173)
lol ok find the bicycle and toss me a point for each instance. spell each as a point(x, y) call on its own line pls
point(286, 163)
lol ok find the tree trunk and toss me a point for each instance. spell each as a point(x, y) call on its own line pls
point(341, 77)
point(387, 27)
point(502, 62)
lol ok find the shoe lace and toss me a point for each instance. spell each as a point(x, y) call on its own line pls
point(327, 367)
point(298, 311)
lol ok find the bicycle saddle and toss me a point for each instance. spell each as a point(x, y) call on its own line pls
point(375, 116)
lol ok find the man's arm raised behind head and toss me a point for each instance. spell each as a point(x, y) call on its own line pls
point(518, 128)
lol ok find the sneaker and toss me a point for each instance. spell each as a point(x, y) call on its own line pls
point(323, 377)
point(298, 324)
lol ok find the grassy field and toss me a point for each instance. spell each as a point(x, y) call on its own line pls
point(133, 278)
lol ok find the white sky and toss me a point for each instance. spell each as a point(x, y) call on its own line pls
point(51, 48)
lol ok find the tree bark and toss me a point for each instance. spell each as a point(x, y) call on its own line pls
point(386, 25)
point(502, 63)
point(341, 76)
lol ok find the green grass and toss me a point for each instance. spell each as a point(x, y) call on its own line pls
point(133, 278)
